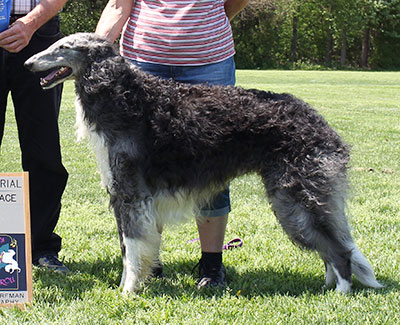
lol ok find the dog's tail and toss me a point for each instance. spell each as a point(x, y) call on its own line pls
point(362, 270)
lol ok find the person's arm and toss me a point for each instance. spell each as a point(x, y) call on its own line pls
point(19, 34)
point(113, 19)
point(233, 7)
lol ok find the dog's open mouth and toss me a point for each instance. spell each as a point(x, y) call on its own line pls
point(54, 77)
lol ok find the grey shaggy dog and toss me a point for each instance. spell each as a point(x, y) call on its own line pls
point(165, 148)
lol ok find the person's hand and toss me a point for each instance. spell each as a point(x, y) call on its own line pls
point(16, 37)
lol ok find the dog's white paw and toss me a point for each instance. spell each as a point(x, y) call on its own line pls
point(343, 286)
point(131, 284)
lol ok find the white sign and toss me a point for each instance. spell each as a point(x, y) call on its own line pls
point(15, 240)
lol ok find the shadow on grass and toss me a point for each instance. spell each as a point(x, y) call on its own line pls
point(180, 281)
point(84, 277)
point(261, 282)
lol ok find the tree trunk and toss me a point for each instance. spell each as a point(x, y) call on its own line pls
point(293, 47)
point(343, 49)
point(329, 46)
point(365, 48)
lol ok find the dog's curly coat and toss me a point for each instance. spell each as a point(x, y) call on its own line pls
point(164, 148)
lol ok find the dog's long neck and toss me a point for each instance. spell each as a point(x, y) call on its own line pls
point(116, 96)
point(108, 87)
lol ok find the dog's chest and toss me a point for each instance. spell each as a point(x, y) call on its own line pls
point(97, 143)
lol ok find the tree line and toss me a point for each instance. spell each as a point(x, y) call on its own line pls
point(297, 34)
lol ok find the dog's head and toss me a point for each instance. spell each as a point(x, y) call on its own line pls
point(69, 57)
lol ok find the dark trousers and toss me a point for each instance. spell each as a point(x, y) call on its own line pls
point(36, 112)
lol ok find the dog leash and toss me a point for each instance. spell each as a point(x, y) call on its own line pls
point(234, 243)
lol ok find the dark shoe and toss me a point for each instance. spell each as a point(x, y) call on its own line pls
point(52, 263)
point(211, 276)
point(157, 272)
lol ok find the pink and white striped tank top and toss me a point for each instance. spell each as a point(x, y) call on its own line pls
point(178, 32)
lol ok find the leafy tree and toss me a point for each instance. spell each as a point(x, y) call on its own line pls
point(386, 38)
point(253, 32)
point(295, 33)
point(81, 15)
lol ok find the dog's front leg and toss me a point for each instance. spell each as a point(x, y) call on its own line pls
point(133, 209)
point(140, 240)
point(137, 226)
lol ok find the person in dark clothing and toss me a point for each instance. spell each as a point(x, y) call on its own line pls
point(34, 26)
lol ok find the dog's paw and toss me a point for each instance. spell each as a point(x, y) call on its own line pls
point(343, 286)
point(130, 286)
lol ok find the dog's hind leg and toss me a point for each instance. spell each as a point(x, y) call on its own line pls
point(308, 231)
point(324, 229)
point(330, 277)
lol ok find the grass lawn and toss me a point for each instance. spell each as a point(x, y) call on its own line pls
point(271, 281)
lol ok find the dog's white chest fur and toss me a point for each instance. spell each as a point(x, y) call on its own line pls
point(97, 142)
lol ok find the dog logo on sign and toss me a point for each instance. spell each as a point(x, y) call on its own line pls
point(9, 267)
point(7, 261)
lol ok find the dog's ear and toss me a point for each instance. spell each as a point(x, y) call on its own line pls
point(101, 52)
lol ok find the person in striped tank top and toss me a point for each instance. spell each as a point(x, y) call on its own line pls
point(189, 41)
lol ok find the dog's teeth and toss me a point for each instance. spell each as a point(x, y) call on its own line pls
point(43, 82)
point(61, 71)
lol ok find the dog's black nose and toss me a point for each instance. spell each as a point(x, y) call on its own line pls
point(28, 64)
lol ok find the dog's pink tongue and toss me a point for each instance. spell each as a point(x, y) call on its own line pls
point(51, 75)
point(55, 75)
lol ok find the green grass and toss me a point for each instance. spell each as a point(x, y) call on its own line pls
point(270, 280)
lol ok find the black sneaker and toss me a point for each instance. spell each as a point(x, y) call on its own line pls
point(211, 276)
point(52, 263)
